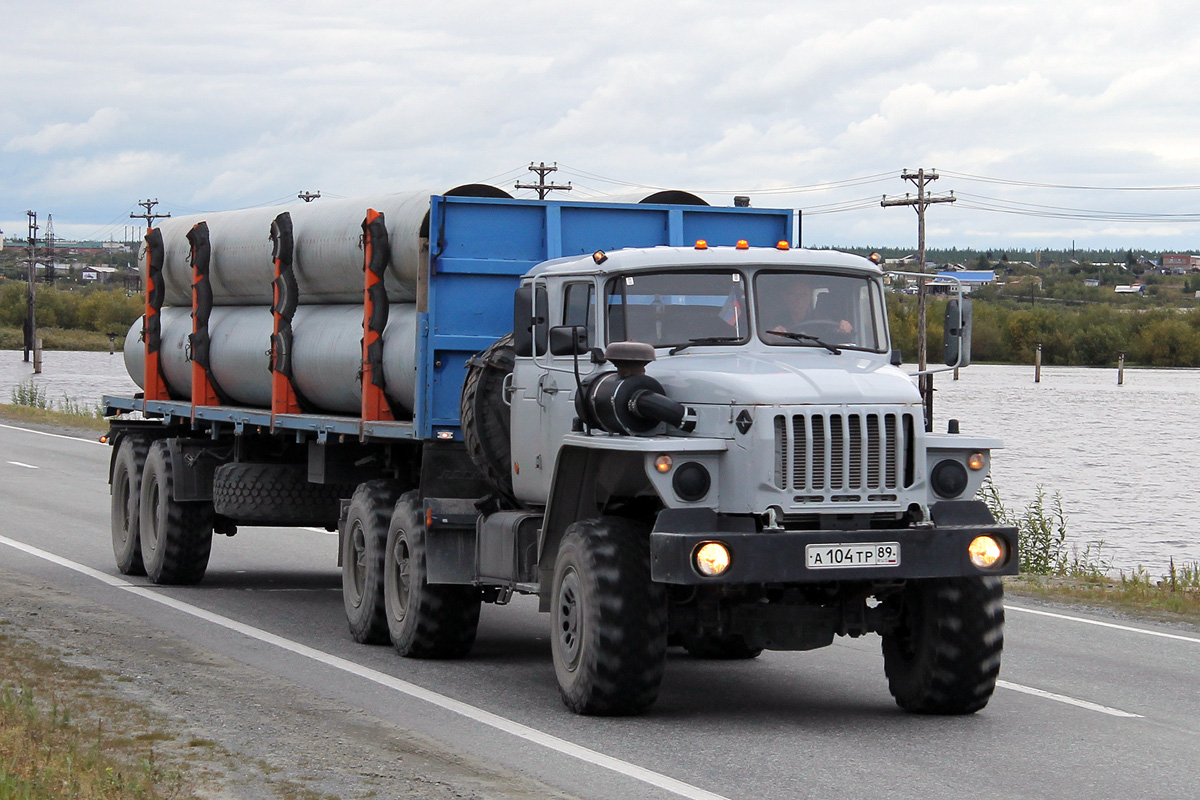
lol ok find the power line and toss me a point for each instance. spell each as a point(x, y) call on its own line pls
point(1033, 184)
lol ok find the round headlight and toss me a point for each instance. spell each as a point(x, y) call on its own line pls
point(712, 558)
point(949, 478)
point(985, 552)
point(691, 481)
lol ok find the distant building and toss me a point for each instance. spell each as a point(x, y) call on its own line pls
point(97, 273)
point(1179, 263)
point(1136, 288)
point(970, 279)
point(1091, 282)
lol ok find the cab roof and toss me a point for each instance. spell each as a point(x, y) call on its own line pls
point(653, 258)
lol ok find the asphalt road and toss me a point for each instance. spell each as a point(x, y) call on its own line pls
point(1088, 706)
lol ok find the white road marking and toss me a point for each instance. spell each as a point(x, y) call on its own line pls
point(54, 435)
point(1062, 698)
point(1129, 628)
point(21, 464)
point(496, 721)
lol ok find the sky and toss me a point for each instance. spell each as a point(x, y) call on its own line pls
point(1054, 124)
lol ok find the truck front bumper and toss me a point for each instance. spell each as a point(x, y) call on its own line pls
point(939, 551)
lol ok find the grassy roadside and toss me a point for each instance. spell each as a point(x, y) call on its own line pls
point(63, 734)
point(45, 416)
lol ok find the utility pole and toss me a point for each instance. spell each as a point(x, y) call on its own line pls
point(149, 214)
point(541, 186)
point(308, 196)
point(30, 322)
point(50, 274)
point(922, 201)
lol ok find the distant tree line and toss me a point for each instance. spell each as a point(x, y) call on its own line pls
point(1089, 335)
point(97, 308)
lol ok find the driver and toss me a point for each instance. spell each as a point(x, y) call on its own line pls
point(788, 301)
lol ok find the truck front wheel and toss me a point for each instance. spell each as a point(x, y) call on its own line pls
point(425, 621)
point(175, 537)
point(126, 499)
point(943, 657)
point(609, 639)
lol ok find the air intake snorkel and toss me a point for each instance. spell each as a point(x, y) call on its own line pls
point(628, 401)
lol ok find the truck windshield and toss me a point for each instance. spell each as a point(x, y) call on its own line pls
point(673, 308)
point(819, 309)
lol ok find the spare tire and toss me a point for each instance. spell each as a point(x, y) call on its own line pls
point(275, 494)
point(484, 413)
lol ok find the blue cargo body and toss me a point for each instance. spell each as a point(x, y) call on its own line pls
point(478, 250)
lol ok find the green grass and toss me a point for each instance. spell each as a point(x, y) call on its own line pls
point(59, 339)
point(29, 403)
point(57, 740)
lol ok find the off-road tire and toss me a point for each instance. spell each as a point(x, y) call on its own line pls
point(126, 499)
point(425, 621)
point(175, 537)
point(362, 560)
point(944, 656)
point(275, 494)
point(727, 647)
point(609, 635)
point(485, 415)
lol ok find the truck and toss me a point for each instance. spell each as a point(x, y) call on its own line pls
point(663, 420)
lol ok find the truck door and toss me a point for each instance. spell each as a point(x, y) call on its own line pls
point(544, 388)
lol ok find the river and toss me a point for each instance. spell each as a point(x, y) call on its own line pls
point(1123, 458)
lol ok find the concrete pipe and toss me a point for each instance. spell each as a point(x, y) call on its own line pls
point(327, 354)
point(328, 254)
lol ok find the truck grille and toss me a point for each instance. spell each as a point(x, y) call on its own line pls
point(839, 457)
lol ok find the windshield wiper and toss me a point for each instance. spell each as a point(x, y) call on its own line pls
point(705, 340)
point(804, 337)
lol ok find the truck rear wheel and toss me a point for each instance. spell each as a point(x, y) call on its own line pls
point(275, 494)
point(126, 497)
point(362, 560)
point(609, 639)
point(175, 537)
point(944, 655)
point(425, 621)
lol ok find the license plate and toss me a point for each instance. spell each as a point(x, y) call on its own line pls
point(862, 554)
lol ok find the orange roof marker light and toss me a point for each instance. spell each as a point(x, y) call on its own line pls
point(743, 244)
point(782, 245)
point(701, 244)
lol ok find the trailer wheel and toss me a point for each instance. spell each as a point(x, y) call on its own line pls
point(362, 560)
point(175, 537)
point(126, 496)
point(425, 621)
point(727, 647)
point(944, 655)
point(485, 414)
point(609, 637)
point(275, 494)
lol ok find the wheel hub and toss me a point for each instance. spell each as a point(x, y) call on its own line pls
point(567, 619)
point(403, 575)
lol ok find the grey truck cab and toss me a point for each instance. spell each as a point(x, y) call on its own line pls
point(728, 459)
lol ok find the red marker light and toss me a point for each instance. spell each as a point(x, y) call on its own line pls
point(743, 244)
point(701, 244)
point(782, 245)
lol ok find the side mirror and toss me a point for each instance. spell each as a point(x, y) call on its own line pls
point(529, 324)
point(897, 359)
point(957, 333)
point(569, 340)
